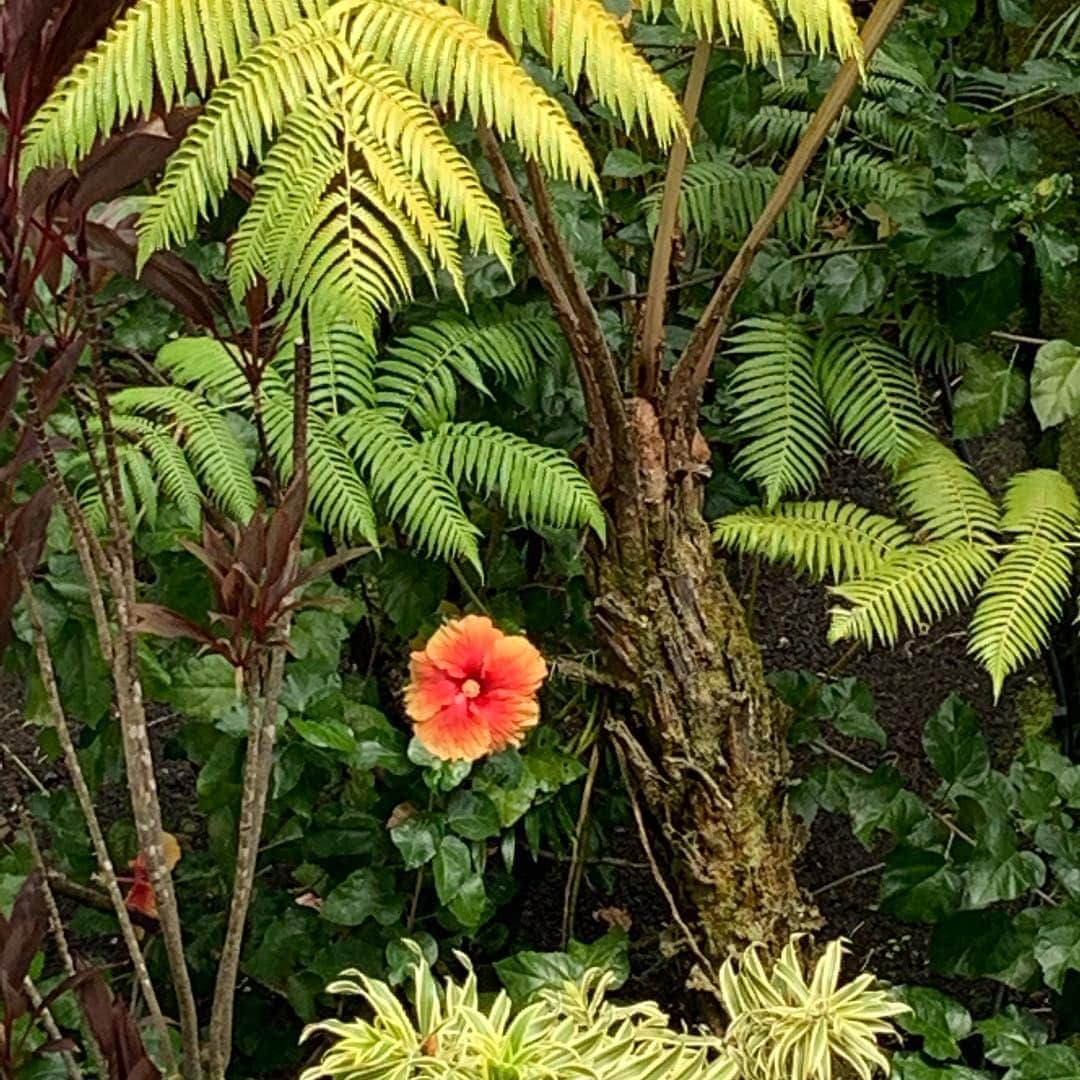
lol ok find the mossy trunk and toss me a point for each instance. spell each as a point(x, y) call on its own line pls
point(704, 738)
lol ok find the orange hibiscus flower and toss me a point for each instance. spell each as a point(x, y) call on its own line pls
point(473, 689)
point(140, 896)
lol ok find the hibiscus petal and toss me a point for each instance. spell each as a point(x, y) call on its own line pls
point(140, 898)
point(507, 716)
point(455, 734)
point(460, 647)
point(430, 690)
point(514, 664)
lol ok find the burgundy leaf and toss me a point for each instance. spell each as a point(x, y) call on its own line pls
point(58, 1046)
point(166, 623)
point(53, 383)
point(26, 930)
point(97, 1008)
point(324, 566)
point(30, 524)
point(9, 392)
point(165, 274)
point(285, 526)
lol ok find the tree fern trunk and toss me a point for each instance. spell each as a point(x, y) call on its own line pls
point(704, 739)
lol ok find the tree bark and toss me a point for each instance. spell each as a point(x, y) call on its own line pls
point(704, 738)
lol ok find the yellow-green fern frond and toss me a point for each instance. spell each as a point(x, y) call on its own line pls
point(1026, 594)
point(824, 25)
point(412, 489)
point(538, 484)
point(826, 539)
point(940, 492)
point(155, 48)
point(242, 113)
point(872, 396)
point(175, 477)
point(752, 22)
point(912, 587)
point(450, 61)
point(208, 366)
point(582, 39)
point(778, 407)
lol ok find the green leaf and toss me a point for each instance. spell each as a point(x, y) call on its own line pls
point(914, 1067)
point(974, 944)
point(85, 682)
point(204, 688)
point(1057, 947)
point(470, 906)
point(991, 879)
point(365, 894)
point(327, 734)
point(941, 1020)
point(625, 164)
point(1055, 382)
point(954, 743)
point(452, 867)
point(1055, 1062)
point(850, 706)
point(1009, 1035)
point(919, 885)
point(611, 952)
point(525, 974)
point(848, 286)
point(416, 838)
point(473, 815)
point(990, 392)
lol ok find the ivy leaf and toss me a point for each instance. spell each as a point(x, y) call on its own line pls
point(1010, 1035)
point(1055, 382)
point(941, 1020)
point(991, 879)
point(204, 688)
point(473, 815)
point(954, 743)
point(452, 867)
point(914, 1067)
point(882, 801)
point(990, 392)
point(1057, 947)
point(525, 974)
point(1055, 1062)
point(417, 839)
point(327, 734)
point(365, 894)
point(919, 885)
point(851, 707)
point(611, 952)
point(848, 286)
point(974, 944)
point(625, 164)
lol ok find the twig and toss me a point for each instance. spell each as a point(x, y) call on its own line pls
point(577, 851)
point(853, 876)
point(51, 1028)
point(1020, 339)
point(24, 768)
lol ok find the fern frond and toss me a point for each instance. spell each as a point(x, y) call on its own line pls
point(776, 129)
point(342, 359)
point(750, 21)
point(872, 395)
point(153, 49)
point(400, 474)
point(138, 488)
point(206, 365)
point(823, 25)
point(1022, 599)
point(215, 453)
point(242, 113)
point(340, 500)
point(778, 408)
point(913, 586)
point(1041, 503)
point(879, 122)
point(926, 341)
point(825, 539)
point(863, 175)
point(450, 61)
point(174, 474)
point(940, 492)
point(581, 39)
point(417, 376)
point(539, 484)
point(722, 199)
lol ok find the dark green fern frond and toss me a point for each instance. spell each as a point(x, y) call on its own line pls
point(340, 500)
point(775, 129)
point(825, 539)
point(912, 587)
point(215, 453)
point(941, 493)
point(863, 175)
point(926, 341)
point(418, 373)
point(777, 406)
point(538, 484)
point(173, 471)
point(872, 396)
point(414, 492)
point(881, 124)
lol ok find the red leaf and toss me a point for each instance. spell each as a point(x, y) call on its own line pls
point(9, 392)
point(166, 623)
point(53, 383)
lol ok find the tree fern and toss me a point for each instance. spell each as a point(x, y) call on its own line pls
point(913, 586)
point(941, 493)
point(539, 485)
point(880, 123)
point(1026, 593)
point(926, 341)
point(863, 175)
point(216, 455)
point(418, 372)
point(872, 396)
point(778, 407)
point(825, 539)
point(776, 129)
point(175, 477)
point(403, 478)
